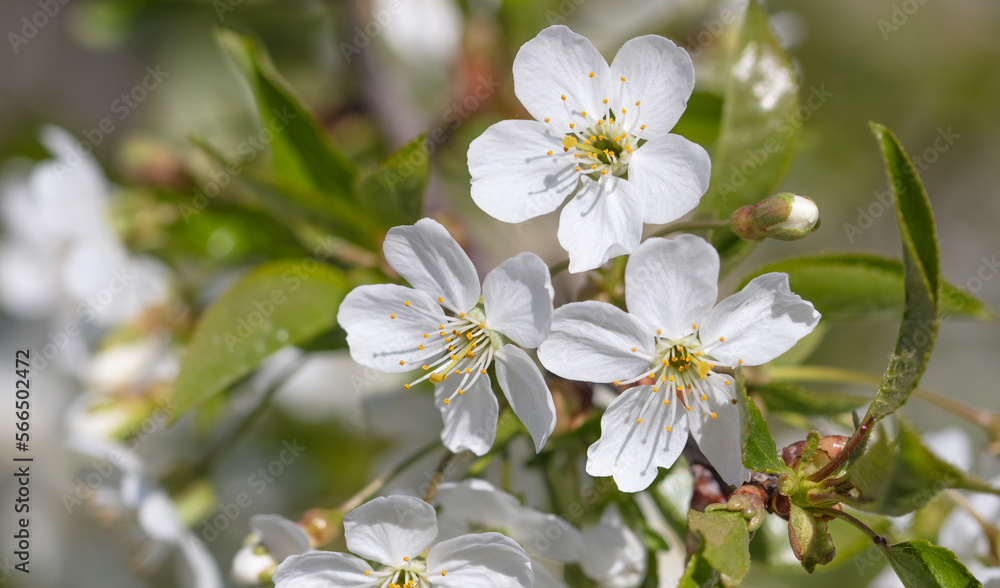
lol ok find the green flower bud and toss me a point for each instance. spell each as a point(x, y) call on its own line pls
point(784, 216)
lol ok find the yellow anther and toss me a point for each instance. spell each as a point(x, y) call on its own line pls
point(426, 336)
point(392, 316)
point(549, 153)
point(444, 572)
point(642, 128)
point(426, 367)
point(669, 429)
point(659, 332)
point(468, 370)
point(617, 382)
point(441, 301)
point(367, 572)
point(406, 302)
point(721, 339)
point(451, 348)
point(446, 401)
point(704, 397)
point(563, 96)
point(605, 100)
point(639, 421)
point(591, 74)
point(623, 111)
point(407, 386)
point(694, 326)
point(405, 558)
point(655, 389)
point(593, 166)
point(740, 362)
point(671, 378)
point(666, 401)
point(569, 141)
point(604, 172)
point(623, 78)
point(460, 392)
point(401, 362)
point(583, 113)
point(578, 168)
point(572, 126)
point(462, 315)
point(688, 408)
point(546, 120)
point(633, 349)
point(637, 103)
point(714, 415)
point(727, 382)
point(483, 371)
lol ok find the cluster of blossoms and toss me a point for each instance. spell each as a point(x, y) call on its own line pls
point(601, 136)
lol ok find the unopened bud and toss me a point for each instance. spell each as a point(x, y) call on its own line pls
point(784, 216)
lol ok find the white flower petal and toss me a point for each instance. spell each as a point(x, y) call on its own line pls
point(544, 577)
point(557, 63)
point(513, 177)
point(630, 450)
point(477, 504)
point(376, 339)
point(201, 570)
point(660, 75)
point(592, 341)
point(249, 567)
point(719, 438)
point(603, 220)
point(487, 560)
point(387, 529)
point(671, 175)
point(758, 323)
point(280, 536)
point(615, 556)
point(517, 297)
point(159, 519)
point(432, 261)
point(525, 389)
point(672, 284)
point(324, 569)
point(470, 420)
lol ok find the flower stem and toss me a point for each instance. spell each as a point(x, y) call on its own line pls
point(845, 453)
point(438, 475)
point(833, 374)
point(833, 512)
point(700, 225)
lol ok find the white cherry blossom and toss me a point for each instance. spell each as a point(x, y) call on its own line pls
point(452, 329)
point(601, 133)
point(274, 539)
point(398, 534)
point(669, 343)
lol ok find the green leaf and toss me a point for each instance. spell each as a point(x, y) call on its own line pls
point(699, 573)
point(859, 286)
point(303, 155)
point(922, 565)
point(809, 539)
point(278, 304)
point(394, 192)
point(760, 454)
point(900, 477)
point(788, 397)
point(758, 130)
point(726, 541)
point(921, 279)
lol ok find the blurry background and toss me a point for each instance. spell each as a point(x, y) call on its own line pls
point(377, 74)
